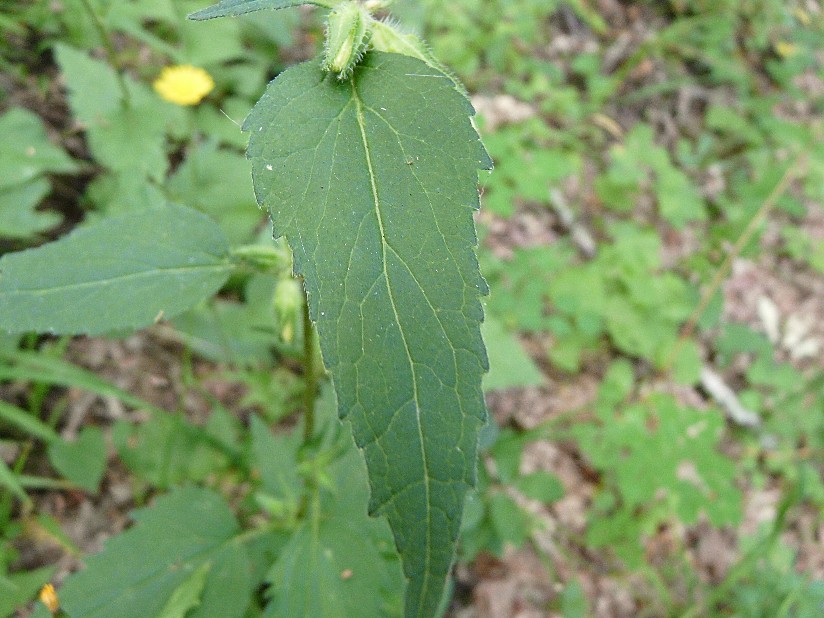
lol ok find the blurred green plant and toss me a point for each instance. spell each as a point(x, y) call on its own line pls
point(275, 504)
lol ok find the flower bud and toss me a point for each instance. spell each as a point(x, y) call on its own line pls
point(348, 32)
point(288, 301)
point(48, 597)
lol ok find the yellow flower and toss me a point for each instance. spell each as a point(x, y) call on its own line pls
point(184, 84)
point(49, 598)
point(785, 49)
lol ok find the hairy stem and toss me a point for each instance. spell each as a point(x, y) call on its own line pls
point(309, 373)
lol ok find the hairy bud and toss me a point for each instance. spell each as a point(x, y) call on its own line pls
point(288, 300)
point(348, 32)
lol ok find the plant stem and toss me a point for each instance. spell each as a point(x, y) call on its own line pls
point(309, 373)
point(7, 498)
point(111, 54)
point(783, 184)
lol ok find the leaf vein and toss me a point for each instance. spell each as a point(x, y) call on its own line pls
point(427, 491)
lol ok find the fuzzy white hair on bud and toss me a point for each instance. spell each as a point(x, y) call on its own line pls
point(348, 33)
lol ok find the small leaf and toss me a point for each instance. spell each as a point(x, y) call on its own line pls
point(122, 273)
point(541, 486)
point(18, 217)
point(339, 562)
point(508, 519)
point(123, 137)
point(83, 461)
point(166, 450)
point(509, 364)
point(187, 595)
point(140, 571)
point(94, 92)
point(9, 480)
point(131, 140)
point(218, 182)
point(231, 8)
point(275, 456)
point(27, 422)
point(19, 588)
point(26, 151)
point(373, 181)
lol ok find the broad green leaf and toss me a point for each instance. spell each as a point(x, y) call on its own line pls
point(140, 571)
point(373, 182)
point(83, 461)
point(131, 140)
point(117, 193)
point(230, 8)
point(339, 563)
point(121, 273)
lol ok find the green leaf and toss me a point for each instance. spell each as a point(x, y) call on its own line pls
point(131, 140)
point(680, 444)
point(187, 594)
point(339, 563)
point(122, 273)
point(9, 480)
point(231, 8)
point(122, 192)
point(18, 589)
point(226, 331)
point(94, 92)
point(26, 151)
point(166, 450)
point(141, 571)
point(541, 486)
point(18, 217)
point(123, 136)
point(27, 422)
point(218, 182)
point(40, 367)
point(373, 182)
point(275, 456)
point(509, 364)
point(83, 461)
point(508, 519)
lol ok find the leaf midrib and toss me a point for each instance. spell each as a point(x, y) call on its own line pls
point(86, 284)
point(376, 199)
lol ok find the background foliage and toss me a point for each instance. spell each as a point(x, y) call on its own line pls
point(641, 149)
